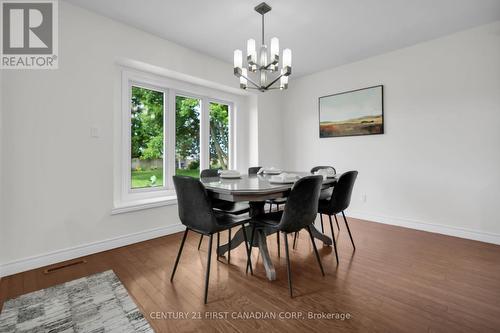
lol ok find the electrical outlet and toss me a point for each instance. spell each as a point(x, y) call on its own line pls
point(363, 198)
point(94, 132)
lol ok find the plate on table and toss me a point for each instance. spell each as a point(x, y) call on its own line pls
point(273, 171)
point(229, 174)
point(284, 178)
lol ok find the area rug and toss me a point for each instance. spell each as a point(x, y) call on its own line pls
point(96, 303)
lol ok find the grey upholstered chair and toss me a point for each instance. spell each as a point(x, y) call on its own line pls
point(254, 170)
point(325, 193)
point(277, 202)
point(320, 167)
point(338, 202)
point(299, 213)
point(197, 214)
point(236, 208)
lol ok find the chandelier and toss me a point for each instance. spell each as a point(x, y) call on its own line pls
point(266, 65)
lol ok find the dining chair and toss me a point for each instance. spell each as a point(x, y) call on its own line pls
point(338, 202)
point(254, 170)
point(325, 193)
point(277, 202)
point(236, 208)
point(197, 214)
point(299, 213)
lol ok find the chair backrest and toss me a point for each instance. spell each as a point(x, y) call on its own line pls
point(195, 206)
point(342, 191)
point(206, 173)
point(302, 204)
point(254, 170)
point(320, 167)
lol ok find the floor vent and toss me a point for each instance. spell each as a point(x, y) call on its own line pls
point(56, 268)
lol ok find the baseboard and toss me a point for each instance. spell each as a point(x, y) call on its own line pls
point(50, 258)
point(476, 235)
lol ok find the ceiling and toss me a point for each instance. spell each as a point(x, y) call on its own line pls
point(321, 33)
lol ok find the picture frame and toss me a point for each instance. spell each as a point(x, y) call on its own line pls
point(352, 113)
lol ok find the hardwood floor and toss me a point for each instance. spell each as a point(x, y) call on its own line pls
point(397, 280)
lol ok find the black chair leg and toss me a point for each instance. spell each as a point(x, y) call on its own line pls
point(336, 221)
point(333, 239)
point(295, 239)
point(218, 244)
point(278, 243)
point(316, 250)
point(348, 230)
point(249, 259)
point(207, 275)
point(199, 243)
point(321, 219)
point(251, 245)
point(288, 265)
point(179, 254)
point(229, 248)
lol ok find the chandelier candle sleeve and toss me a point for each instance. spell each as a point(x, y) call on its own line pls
point(287, 58)
point(275, 49)
point(261, 71)
point(283, 82)
point(251, 51)
point(238, 59)
point(243, 79)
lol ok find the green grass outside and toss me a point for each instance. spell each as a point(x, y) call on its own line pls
point(186, 172)
point(143, 178)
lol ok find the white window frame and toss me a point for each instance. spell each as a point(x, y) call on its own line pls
point(128, 199)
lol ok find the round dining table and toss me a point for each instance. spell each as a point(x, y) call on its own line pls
point(256, 189)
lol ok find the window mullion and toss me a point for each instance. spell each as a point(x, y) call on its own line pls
point(170, 139)
point(204, 134)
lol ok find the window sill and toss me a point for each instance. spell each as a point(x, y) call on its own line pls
point(125, 207)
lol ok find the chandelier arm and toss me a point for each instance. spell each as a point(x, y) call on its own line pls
point(251, 81)
point(273, 82)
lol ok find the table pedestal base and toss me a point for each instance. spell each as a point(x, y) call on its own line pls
point(260, 240)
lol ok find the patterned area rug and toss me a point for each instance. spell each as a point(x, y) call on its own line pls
point(96, 303)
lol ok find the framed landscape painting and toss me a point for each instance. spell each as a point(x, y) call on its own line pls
point(356, 112)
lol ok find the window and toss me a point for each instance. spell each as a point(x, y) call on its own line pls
point(187, 136)
point(147, 137)
point(167, 130)
point(219, 136)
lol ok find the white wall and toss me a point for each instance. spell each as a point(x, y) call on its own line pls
point(437, 166)
point(58, 181)
point(270, 138)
